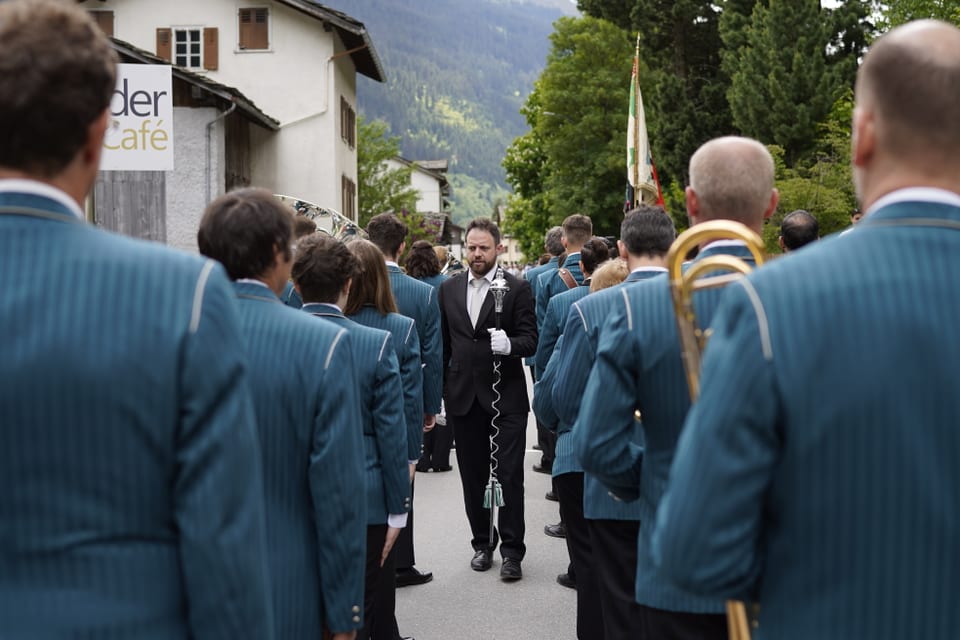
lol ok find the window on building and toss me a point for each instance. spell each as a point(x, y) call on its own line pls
point(191, 47)
point(348, 123)
point(254, 28)
point(348, 190)
point(104, 20)
point(188, 48)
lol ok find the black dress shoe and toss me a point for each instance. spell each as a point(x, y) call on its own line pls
point(410, 577)
point(537, 447)
point(558, 530)
point(443, 468)
point(423, 468)
point(550, 495)
point(543, 468)
point(564, 580)
point(482, 560)
point(510, 570)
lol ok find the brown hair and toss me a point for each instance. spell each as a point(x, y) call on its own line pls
point(387, 232)
point(244, 229)
point(57, 75)
point(322, 268)
point(371, 284)
point(577, 229)
point(422, 261)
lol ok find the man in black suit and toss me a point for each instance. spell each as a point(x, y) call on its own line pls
point(471, 348)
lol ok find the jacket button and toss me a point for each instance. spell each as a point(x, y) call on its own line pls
point(356, 608)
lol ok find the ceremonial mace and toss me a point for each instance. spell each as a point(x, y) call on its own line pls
point(493, 495)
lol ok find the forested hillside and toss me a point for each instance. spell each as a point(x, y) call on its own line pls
point(458, 72)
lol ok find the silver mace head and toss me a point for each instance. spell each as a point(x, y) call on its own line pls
point(499, 288)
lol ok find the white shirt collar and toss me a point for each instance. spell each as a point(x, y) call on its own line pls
point(646, 269)
point(391, 263)
point(724, 243)
point(21, 185)
point(490, 275)
point(252, 281)
point(916, 194)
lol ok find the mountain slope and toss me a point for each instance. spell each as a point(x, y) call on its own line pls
point(458, 72)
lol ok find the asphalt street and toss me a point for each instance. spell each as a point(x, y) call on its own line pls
point(463, 604)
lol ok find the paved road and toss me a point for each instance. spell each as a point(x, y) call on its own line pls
point(462, 604)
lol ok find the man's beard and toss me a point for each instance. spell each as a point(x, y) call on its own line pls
point(482, 268)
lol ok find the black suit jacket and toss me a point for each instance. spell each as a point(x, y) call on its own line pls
point(467, 358)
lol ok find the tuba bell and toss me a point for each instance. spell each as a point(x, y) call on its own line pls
point(708, 273)
point(328, 221)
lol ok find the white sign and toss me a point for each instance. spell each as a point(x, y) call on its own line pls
point(140, 133)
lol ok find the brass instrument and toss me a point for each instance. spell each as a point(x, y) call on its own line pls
point(700, 275)
point(328, 221)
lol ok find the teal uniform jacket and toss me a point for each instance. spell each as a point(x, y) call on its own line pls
point(291, 297)
point(307, 415)
point(577, 358)
point(418, 300)
point(407, 345)
point(553, 322)
point(378, 384)
point(639, 367)
point(434, 281)
point(551, 284)
point(131, 501)
point(533, 277)
point(819, 473)
point(564, 461)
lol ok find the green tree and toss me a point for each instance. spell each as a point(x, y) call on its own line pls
point(901, 11)
point(380, 188)
point(781, 86)
point(683, 83)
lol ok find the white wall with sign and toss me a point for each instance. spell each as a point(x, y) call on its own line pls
point(140, 134)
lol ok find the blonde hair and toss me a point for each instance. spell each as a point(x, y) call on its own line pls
point(371, 284)
point(610, 273)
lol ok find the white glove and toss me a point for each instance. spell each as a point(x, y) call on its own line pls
point(499, 342)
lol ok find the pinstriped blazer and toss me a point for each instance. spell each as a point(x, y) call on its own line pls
point(580, 340)
point(130, 485)
point(307, 415)
point(407, 344)
point(533, 277)
point(418, 300)
point(820, 469)
point(378, 384)
point(639, 367)
point(552, 284)
point(552, 327)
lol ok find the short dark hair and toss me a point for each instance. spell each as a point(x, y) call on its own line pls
point(647, 231)
point(799, 228)
point(577, 229)
point(244, 229)
point(57, 75)
point(484, 224)
point(422, 260)
point(553, 241)
point(594, 252)
point(322, 268)
point(388, 232)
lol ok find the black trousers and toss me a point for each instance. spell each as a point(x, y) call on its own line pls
point(472, 432)
point(403, 549)
point(379, 589)
point(659, 624)
point(436, 447)
point(589, 609)
point(614, 544)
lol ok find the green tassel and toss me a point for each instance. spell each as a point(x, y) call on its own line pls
point(498, 493)
point(486, 497)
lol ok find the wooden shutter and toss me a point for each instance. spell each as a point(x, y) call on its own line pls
point(104, 20)
point(211, 48)
point(254, 28)
point(164, 46)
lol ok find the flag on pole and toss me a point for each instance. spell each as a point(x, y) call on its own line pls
point(642, 182)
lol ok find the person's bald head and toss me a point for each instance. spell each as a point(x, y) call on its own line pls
point(907, 93)
point(731, 178)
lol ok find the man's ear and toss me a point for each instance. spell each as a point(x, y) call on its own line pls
point(863, 138)
point(783, 247)
point(772, 206)
point(693, 205)
point(622, 249)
